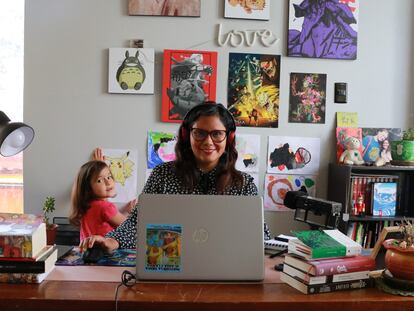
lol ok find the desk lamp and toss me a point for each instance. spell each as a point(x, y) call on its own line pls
point(14, 136)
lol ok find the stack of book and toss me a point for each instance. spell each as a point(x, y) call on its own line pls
point(325, 261)
point(24, 255)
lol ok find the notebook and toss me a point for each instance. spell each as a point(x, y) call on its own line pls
point(200, 238)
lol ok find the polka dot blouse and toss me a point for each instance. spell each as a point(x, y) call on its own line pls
point(163, 180)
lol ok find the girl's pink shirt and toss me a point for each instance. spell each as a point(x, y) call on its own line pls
point(95, 221)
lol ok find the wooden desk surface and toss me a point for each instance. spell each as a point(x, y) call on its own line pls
point(271, 295)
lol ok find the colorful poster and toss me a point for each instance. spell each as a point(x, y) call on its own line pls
point(160, 148)
point(248, 148)
point(131, 71)
point(163, 253)
point(307, 98)
point(164, 7)
point(376, 143)
point(123, 166)
point(276, 187)
point(189, 79)
point(323, 28)
point(253, 89)
point(247, 9)
point(293, 155)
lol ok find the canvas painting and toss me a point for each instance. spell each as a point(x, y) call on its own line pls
point(276, 186)
point(123, 166)
point(293, 155)
point(376, 143)
point(189, 79)
point(248, 148)
point(247, 9)
point(160, 148)
point(323, 29)
point(131, 71)
point(253, 89)
point(164, 7)
point(307, 98)
point(344, 133)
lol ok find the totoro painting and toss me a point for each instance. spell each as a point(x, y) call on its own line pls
point(131, 71)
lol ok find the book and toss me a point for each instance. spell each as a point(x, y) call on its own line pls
point(21, 266)
point(314, 244)
point(331, 266)
point(31, 277)
point(324, 288)
point(384, 199)
point(46, 249)
point(21, 235)
point(334, 278)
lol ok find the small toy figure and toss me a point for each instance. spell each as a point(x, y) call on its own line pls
point(351, 155)
point(359, 207)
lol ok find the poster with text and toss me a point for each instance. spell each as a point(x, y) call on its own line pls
point(131, 71)
point(323, 28)
point(123, 166)
point(293, 155)
point(253, 89)
point(248, 148)
point(189, 79)
point(247, 9)
point(276, 186)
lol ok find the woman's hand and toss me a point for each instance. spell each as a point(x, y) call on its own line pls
point(97, 155)
point(107, 244)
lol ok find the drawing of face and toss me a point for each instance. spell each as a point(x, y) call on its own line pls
point(207, 152)
point(103, 185)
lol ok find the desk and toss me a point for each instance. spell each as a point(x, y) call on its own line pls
point(76, 296)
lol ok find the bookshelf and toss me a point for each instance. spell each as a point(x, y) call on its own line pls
point(341, 184)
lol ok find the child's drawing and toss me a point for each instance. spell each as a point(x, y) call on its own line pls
point(248, 148)
point(293, 155)
point(122, 164)
point(276, 187)
point(160, 148)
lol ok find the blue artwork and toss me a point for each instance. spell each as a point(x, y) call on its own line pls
point(323, 28)
point(384, 199)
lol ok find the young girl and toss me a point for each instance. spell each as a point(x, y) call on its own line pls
point(91, 209)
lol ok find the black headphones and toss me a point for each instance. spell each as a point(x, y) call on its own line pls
point(206, 107)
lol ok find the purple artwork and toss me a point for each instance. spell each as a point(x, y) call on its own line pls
point(323, 28)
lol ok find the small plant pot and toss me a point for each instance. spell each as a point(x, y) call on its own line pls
point(51, 234)
point(399, 261)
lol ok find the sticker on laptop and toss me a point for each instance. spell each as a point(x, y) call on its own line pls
point(163, 252)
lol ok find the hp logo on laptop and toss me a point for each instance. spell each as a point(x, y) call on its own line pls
point(200, 235)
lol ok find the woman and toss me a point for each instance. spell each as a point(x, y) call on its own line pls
point(205, 164)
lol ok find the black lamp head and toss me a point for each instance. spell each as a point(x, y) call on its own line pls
point(14, 136)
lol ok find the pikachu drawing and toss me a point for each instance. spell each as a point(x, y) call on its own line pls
point(121, 168)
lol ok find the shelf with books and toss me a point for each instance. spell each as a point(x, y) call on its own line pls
point(348, 183)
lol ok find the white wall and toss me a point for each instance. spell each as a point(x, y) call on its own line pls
point(66, 99)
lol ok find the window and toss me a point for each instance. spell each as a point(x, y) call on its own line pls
point(11, 99)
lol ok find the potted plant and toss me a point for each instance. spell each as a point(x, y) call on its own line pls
point(399, 258)
point(51, 228)
point(402, 151)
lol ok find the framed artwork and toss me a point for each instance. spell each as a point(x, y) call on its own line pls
point(307, 98)
point(376, 143)
point(342, 134)
point(276, 187)
point(248, 148)
point(253, 89)
point(247, 9)
point(123, 166)
point(189, 8)
point(323, 29)
point(189, 79)
point(131, 71)
point(160, 148)
point(293, 155)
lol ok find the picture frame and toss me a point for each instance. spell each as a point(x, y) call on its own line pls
point(381, 238)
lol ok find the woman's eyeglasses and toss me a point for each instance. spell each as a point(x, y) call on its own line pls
point(217, 136)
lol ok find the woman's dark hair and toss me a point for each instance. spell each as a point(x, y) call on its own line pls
point(82, 193)
point(186, 165)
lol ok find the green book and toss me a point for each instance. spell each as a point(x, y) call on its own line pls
point(317, 244)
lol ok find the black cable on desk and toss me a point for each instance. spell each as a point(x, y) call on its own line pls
point(128, 280)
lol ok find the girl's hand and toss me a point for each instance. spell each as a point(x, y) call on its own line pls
point(131, 204)
point(107, 244)
point(97, 155)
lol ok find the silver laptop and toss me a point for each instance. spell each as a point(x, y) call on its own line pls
point(200, 238)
